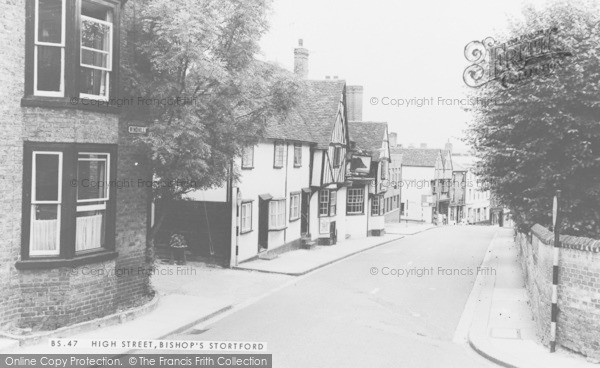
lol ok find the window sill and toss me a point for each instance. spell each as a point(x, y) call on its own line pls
point(278, 167)
point(294, 219)
point(246, 232)
point(51, 263)
point(248, 168)
point(70, 103)
point(279, 228)
point(355, 214)
point(297, 166)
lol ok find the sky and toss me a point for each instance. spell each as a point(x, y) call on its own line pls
point(407, 53)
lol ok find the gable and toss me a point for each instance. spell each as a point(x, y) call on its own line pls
point(338, 135)
point(324, 112)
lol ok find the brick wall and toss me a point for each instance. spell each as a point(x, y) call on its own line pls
point(47, 299)
point(578, 290)
point(12, 24)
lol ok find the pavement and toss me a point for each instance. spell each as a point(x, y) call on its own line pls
point(173, 314)
point(502, 328)
point(302, 261)
point(186, 295)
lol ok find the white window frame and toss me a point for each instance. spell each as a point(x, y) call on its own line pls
point(277, 210)
point(355, 198)
point(378, 204)
point(245, 151)
point(37, 43)
point(276, 156)
point(80, 204)
point(34, 202)
point(107, 181)
point(294, 206)
point(333, 202)
point(322, 200)
point(110, 52)
point(246, 217)
point(297, 155)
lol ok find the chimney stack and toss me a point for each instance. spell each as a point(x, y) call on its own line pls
point(448, 146)
point(393, 140)
point(354, 102)
point(423, 145)
point(301, 60)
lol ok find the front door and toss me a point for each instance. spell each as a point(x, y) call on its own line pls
point(332, 232)
point(304, 211)
point(263, 224)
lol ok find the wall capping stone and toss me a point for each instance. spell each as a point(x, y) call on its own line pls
point(566, 241)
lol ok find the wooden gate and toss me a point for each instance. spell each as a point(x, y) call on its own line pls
point(206, 227)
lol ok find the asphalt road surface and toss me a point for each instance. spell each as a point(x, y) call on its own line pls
point(397, 305)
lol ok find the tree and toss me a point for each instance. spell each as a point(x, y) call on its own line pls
point(190, 68)
point(542, 133)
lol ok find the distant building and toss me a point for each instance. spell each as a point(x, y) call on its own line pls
point(441, 187)
point(458, 193)
point(370, 140)
point(420, 167)
point(393, 195)
point(477, 199)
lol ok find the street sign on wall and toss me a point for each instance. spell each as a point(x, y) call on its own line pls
point(134, 129)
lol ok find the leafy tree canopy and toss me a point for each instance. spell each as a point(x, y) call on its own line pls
point(204, 53)
point(543, 133)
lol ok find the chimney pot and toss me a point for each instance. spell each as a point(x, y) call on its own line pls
point(301, 42)
point(327, 77)
point(335, 77)
point(393, 139)
point(423, 145)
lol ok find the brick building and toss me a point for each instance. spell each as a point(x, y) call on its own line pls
point(73, 239)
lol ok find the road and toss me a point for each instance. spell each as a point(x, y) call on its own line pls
point(355, 313)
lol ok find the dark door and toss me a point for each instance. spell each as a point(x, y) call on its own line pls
point(333, 232)
point(304, 211)
point(263, 224)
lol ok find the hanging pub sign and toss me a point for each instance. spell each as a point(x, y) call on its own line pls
point(360, 165)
